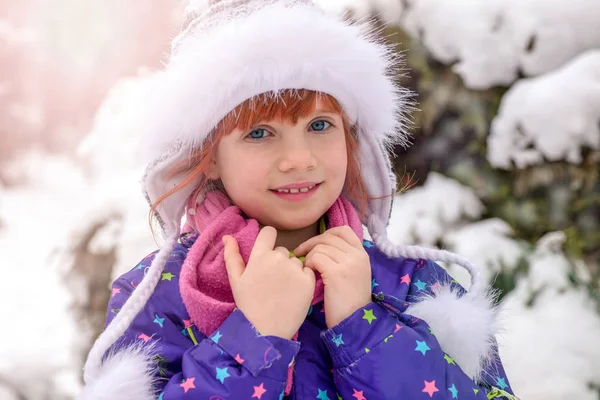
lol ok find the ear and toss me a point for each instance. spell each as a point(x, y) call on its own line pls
point(213, 171)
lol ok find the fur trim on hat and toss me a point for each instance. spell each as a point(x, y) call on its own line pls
point(266, 47)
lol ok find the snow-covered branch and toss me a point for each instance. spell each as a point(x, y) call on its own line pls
point(536, 343)
point(489, 244)
point(492, 41)
point(424, 214)
point(549, 117)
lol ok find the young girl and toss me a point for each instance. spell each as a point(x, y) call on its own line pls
point(271, 130)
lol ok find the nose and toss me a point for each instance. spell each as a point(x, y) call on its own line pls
point(297, 155)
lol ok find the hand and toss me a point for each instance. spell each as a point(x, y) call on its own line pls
point(344, 265)
point(273, 291)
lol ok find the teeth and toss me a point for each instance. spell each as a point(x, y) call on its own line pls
point(303, 190)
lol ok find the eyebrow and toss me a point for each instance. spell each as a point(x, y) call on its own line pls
point(321, 111)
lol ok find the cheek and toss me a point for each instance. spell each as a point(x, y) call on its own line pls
point(242, 170)
point(335, 158)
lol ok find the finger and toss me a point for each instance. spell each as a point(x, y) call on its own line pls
point(282, 250)
point(310, 274)
point(330, 251)
point(233, 260)
point(297, 263)
point(324, 238)
point(265, 240)
point(347, 234)
point(319, 262)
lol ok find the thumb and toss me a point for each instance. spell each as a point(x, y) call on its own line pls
point(233, 259)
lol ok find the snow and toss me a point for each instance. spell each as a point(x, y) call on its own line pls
point(61, 199)
point(444, 212)
point(488, 244)
point(557, 340)
point(551, 117)
point(424, 214)
point(115, 133)
point(55, 211)
point(109, 154)
point(488, 40)
point(41, 329)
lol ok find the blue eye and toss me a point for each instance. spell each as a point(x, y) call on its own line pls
point(258, 134)
point(320, 125)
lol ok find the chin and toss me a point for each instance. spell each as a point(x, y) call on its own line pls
point(291, 219)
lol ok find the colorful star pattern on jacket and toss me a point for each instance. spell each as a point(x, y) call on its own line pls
point(368, 356)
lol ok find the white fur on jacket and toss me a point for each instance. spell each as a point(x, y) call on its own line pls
point(128, 374)
point(464, 327)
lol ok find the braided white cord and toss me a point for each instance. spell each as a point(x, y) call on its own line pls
point(377, 231)
point(129, 311)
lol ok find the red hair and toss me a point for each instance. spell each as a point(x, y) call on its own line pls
point(288, 106)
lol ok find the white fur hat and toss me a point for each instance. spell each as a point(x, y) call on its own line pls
point(233, 50)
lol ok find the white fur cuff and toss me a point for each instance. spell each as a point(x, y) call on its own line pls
point(465, 327)
point(127, 374)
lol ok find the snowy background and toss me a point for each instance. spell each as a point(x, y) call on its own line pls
point(504, 166)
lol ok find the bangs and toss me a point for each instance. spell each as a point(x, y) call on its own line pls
point(285, 106)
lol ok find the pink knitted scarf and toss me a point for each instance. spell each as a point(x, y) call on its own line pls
point(203, 283)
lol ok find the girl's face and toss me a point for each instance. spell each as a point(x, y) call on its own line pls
point(253, 164)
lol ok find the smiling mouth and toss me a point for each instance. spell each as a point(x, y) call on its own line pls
point(300, 190)
point(296, 194)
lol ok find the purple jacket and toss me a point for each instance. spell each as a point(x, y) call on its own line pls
point(379, 352)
